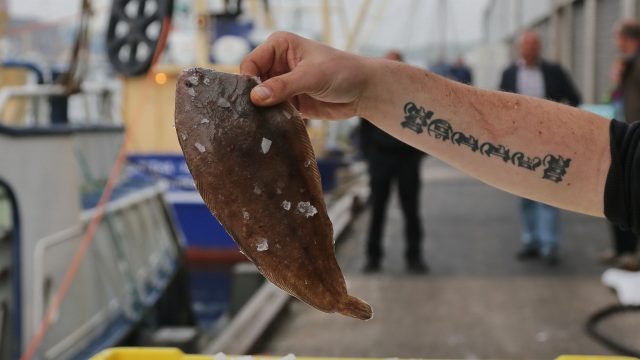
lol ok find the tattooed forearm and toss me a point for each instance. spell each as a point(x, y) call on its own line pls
point(419, 120)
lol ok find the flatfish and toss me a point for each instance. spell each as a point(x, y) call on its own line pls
point(256, 171)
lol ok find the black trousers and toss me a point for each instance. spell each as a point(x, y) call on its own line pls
point(384, 170)
point(624, 241)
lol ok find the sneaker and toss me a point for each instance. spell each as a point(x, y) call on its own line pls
point(527, 253)
point(371, 267)
point(628, 262)
point(551, 258)
point(417, 267)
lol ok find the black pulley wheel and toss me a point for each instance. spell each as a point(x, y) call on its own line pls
point(134, 31)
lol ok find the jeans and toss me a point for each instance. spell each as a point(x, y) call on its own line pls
point(540, 230)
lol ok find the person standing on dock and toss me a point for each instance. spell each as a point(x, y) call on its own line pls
point(461, 72)
point(627, 39)
point(389, 160)
point(532, 76)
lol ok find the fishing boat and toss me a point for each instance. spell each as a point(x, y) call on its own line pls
point(51, 180)
point(88, 254)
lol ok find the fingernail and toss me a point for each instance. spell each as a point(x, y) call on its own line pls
point(262, 92)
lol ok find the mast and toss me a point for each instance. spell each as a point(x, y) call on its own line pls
point(3, 17)
point(327, 37)
point(355, 31)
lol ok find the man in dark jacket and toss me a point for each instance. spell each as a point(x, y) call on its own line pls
point(389, 160)
point(532, 76)
point(628, 43)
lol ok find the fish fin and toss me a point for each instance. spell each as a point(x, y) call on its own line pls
point(309, 154)
point(356, 308)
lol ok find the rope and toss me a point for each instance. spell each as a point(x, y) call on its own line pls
point(591, 327)
point(79, 55)
point(94, 223)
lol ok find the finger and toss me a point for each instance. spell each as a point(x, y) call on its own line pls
point(259, 61)
point(262, 59)
point(282, 87)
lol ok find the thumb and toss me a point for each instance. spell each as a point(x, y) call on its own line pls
point(280, 88)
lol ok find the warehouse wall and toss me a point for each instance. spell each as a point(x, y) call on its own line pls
point(576, 33)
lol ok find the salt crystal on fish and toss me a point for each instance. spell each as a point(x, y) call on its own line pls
point(222, 102)
point(200, 147)
point(204, 121)
point(193, 80)
point(263, 245)
point(266, 145)
point(306, 209)
point(286, 205)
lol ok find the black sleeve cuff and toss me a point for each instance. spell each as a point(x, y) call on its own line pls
point(622, 189)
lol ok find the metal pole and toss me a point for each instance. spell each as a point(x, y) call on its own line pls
point(568, 51)
point(327, 37)
point(342, 15)
point(629, 9)
point(589, 50)
point(3, 17)
point(353, 34)
point(202, 33)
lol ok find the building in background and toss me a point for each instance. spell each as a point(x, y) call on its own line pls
point(576, 33)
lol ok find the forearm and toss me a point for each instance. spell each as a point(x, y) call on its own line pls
point(530, 147)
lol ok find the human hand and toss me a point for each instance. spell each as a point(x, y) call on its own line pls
point(320, 81)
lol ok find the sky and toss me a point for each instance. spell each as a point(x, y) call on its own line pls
point(407, 23)
point(389, 23)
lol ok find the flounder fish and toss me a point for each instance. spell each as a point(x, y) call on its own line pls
point(256, 171)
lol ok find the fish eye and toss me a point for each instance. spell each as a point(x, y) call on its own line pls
point(188, 83)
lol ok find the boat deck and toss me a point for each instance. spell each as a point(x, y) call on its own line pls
point(478, 301)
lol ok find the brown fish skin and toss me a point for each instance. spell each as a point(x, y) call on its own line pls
point(256, 171)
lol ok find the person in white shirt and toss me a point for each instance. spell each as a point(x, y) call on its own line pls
point(532, 76)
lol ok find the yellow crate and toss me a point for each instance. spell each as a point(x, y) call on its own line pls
point(131, 353)
point(589, 357)
point(138, 353)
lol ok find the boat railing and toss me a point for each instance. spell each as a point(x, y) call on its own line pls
point(128, 266)
point(97, 103)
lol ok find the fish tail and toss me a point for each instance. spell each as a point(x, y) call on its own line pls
point(356, 308)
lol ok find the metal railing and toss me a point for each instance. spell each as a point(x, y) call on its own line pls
point(97, 103)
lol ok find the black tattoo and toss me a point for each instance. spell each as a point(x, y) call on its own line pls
point(555, 167)
point(523, 161)
point(499, 151)
point(417, 119)
point(440, 129)
point(462, 139)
